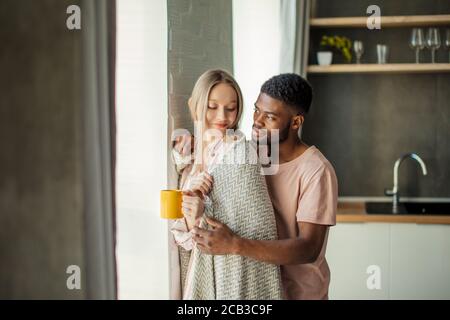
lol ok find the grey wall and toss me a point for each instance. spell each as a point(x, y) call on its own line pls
point(200, 38)
point(363, 123)
point(40, 163)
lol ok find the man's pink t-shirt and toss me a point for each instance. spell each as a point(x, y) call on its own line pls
point(304, 190)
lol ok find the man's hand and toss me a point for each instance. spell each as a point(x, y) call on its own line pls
point(219, 240)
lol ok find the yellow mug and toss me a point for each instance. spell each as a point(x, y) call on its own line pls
point(171, 204)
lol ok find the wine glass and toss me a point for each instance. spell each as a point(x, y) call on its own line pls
point(417, 41)
point(433, 41)
point(447, 42)
point(358, 47)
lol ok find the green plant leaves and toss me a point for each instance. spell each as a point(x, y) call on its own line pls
point(338, 43)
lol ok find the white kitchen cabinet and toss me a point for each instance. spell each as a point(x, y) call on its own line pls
point(413, 260)
point(352, 248)
point(420, 261)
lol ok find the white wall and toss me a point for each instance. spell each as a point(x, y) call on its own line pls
point(141, 151)
point(256, 49)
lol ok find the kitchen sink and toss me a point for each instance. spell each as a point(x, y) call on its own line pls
point(430, 208)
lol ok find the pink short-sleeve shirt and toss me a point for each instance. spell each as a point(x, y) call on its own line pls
point(304, 190)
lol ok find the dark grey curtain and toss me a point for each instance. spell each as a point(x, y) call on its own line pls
point(98, 64)
point(112, 98)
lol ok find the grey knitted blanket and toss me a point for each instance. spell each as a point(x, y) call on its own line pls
point(239, 198)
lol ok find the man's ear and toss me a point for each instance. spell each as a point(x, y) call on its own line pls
point(297, 121)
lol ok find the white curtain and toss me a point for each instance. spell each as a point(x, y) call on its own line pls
point(142, 118)
point(294, 28)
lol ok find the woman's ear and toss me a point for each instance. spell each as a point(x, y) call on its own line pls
point(190, 102)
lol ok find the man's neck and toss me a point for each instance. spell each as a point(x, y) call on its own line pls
point(291, 149)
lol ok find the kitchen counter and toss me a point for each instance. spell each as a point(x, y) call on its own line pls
point(356, 212)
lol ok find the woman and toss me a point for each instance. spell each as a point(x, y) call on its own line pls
point(223, 184)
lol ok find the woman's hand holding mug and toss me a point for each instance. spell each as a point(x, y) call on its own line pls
point(192, 207)
point(203, 182)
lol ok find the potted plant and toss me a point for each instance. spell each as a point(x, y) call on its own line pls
point(329, 44)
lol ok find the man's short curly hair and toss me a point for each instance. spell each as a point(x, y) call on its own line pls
point(291, 89)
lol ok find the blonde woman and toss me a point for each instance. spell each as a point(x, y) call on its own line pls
point(221, 183)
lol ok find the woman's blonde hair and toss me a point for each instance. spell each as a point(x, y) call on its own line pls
point(198, 103)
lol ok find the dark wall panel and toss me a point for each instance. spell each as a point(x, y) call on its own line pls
point(363, 123)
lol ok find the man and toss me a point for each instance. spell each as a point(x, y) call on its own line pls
point(303, 193)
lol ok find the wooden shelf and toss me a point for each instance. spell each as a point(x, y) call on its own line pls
point(386, 21)
point(381, 68)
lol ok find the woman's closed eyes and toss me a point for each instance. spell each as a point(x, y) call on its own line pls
point(229, 109)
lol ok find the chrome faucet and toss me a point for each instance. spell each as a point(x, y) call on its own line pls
point(394, 191)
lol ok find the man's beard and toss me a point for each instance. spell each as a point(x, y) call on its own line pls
point(264, 144)
point(283, 135)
